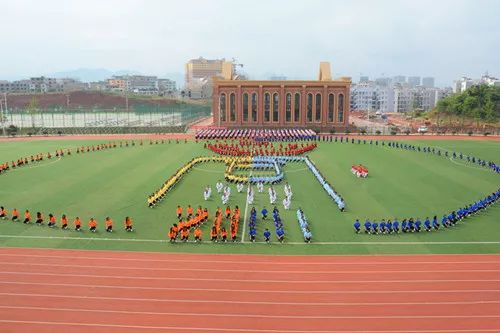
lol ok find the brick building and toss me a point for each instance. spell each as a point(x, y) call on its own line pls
point(322, 104)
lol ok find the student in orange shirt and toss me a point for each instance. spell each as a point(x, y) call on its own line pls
point(64, 222)
point(172, 235)
point(52, 221)
point(213, 234)
point(180, 225)
point(189, 211)
point(223, 234)
point(15, 215)
point(109, 224)
point(176, 229)
point(234, 231)
point(39, 218)
point(92, 224)
point(3, 213)
point(128, 224)
point(197, 235)
point(78, 224)
point(185, 234)
point(205, 214)
point(228, 212)
point(179, 212)
point(27, 217)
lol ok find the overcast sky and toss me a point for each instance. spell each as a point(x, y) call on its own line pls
point(440, 38)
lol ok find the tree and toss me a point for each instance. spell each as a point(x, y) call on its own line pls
point(11, 130)
point(32, 110)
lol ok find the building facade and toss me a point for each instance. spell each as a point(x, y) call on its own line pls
point(321, 104)
point(202, 68)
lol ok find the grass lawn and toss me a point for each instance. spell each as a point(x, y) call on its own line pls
point(116, 183)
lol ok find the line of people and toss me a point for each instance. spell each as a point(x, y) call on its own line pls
point(417, 225)
point(51, 220)
point(326, 186)
point(304, 226)
point(262, 148)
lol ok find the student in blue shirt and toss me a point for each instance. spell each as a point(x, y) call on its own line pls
point(411, 225)
point(418, 225)
point(267, 235)
point(444, 221)
point(427, 224)
point(389, 226)
point(435, 223)
point(264, 213)
point(375, 227)
point(383, 226)
point(404, 226)
point(252, 233)
point(395, 226)
point(368, 227)
point(280, 234)
point(357, 226)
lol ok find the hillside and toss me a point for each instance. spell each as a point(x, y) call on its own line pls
point(84, 99)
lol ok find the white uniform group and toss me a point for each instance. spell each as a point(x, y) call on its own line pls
point(225, 192)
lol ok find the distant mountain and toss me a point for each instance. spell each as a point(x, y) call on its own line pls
point(90, 74)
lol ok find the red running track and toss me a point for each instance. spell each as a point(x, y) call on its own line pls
point(98, 291)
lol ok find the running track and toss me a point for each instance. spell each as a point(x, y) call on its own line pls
point(97, 291)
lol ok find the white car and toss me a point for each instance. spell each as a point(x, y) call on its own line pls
point(422, 129)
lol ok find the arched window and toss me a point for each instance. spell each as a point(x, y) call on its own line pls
point(222, 107)
point(276, 105)
point(254, 107)
point(331, 109)
point(318, 108)
point(288, 108)
point(309, 107)
point(245, 107)
point(232, 107)
point(267, 107)
point(296, 106)
point(340, 113)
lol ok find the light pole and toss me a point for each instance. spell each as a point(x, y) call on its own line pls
point(3, 114)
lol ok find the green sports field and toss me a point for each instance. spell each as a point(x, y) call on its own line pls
point(116, 183)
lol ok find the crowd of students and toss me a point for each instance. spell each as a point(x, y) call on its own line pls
point(359, 171)
point(257, 134)
point(191, 222)
point(304, 226)
point(427, 224)
point(247, 147)
point(51, 220)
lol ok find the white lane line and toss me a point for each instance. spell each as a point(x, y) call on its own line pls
point(355, 263)
point(214, 329)
point(232, 302)
point(238, 315)
point(279, 281)
point(245, 214)
point(274, 291)
point(280, 244)
point(232, 270)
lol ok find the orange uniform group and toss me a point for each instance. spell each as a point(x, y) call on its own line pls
point(195, 220)
point(52, 220)
point(192, 220)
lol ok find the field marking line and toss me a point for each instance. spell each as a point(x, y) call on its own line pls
point(280, 281)
point(357, 263)
point(175, 269)
point(36, 166)
point(206, 170)
point(277, 243)
point(230, 302)
point(340, 292)
point(243, 231)
point(215, 329)
point(238, 315)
